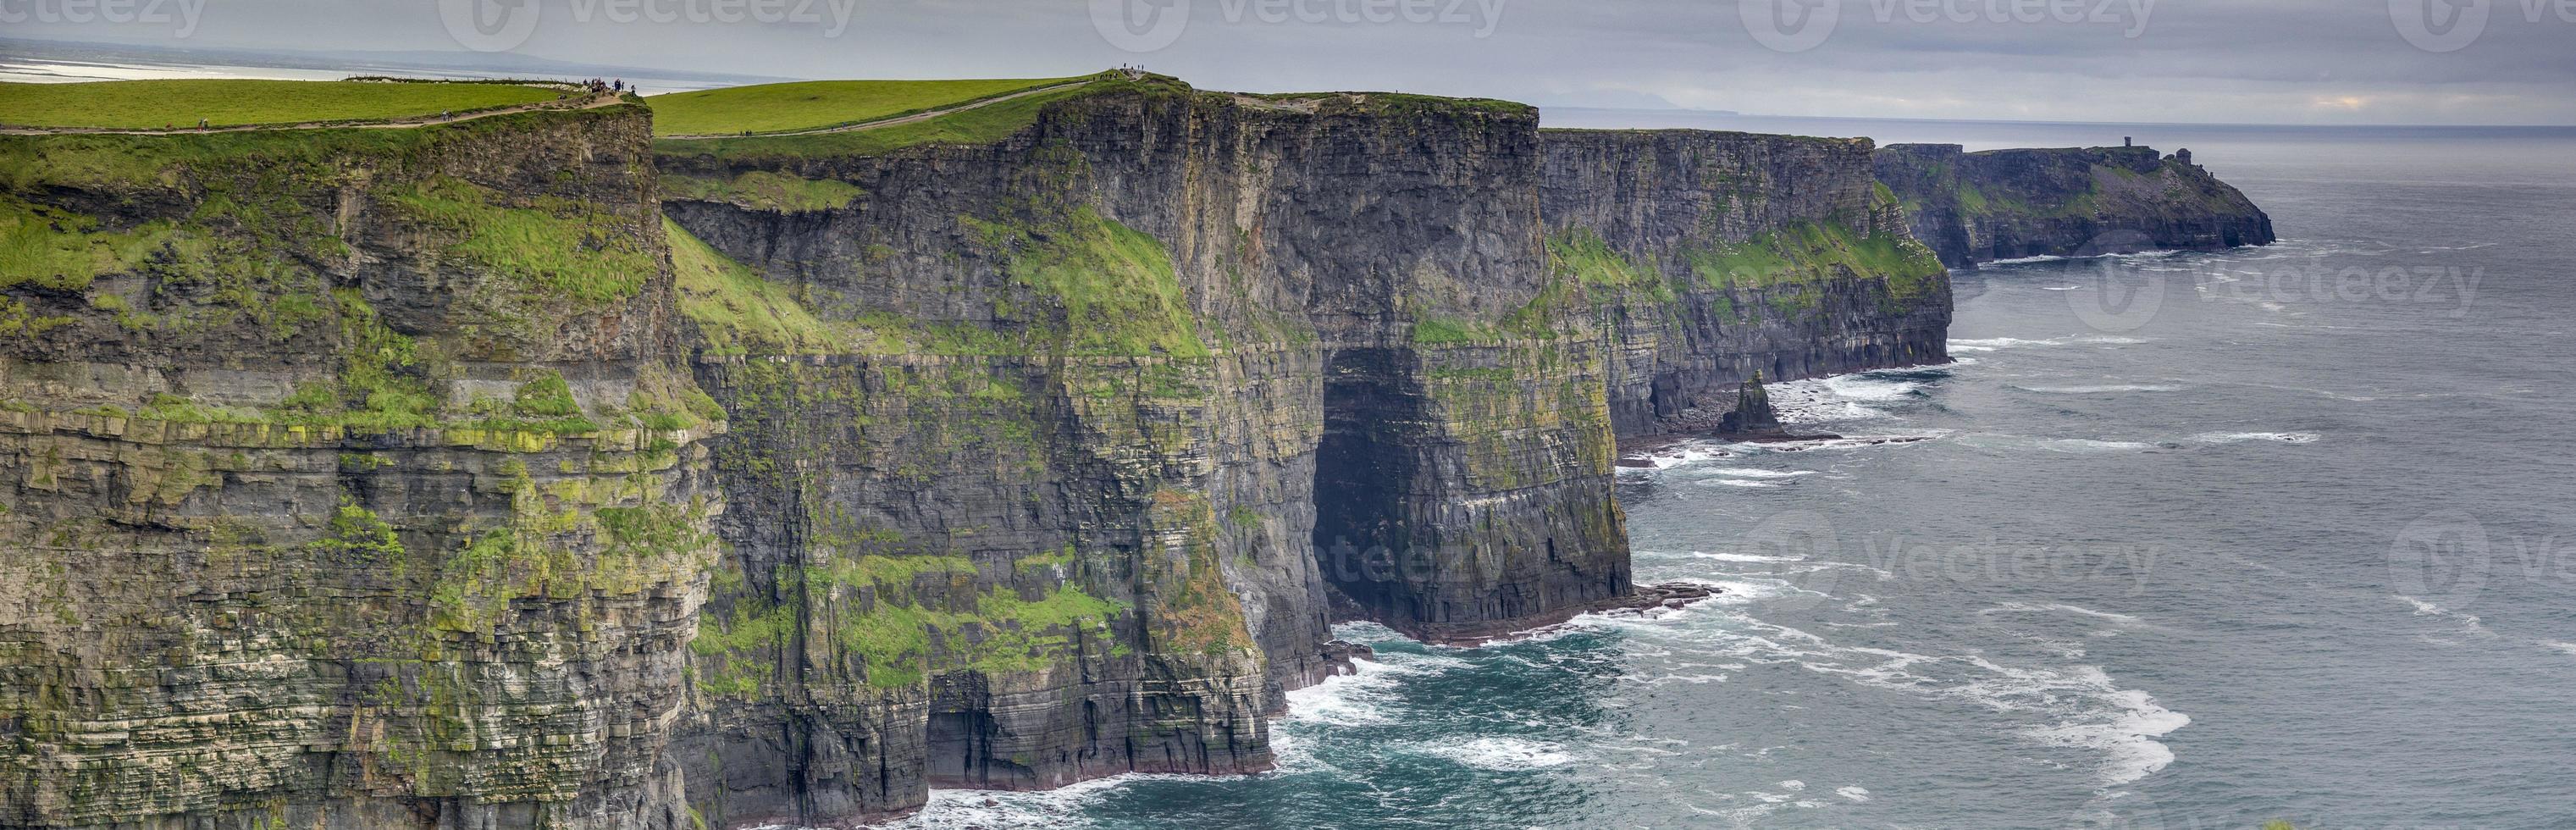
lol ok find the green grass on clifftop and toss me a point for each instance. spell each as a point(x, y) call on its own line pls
point(981, 125)
point(771, 108)
point(151, 105)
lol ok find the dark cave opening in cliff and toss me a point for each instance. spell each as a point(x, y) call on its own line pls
point(960, 748)
point(1362, 471)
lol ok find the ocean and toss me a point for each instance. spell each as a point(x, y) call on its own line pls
point(2191, 540)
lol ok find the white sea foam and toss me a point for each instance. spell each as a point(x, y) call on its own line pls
point(1817, 401)
point(2078, 706)
point(2096, 390)
point(1790, 565)
point(2063, 287)
point(2241, 437)
point(1737, 482)
point(1867, 388)
point(1500, 753)
point(1747, 557)
point(2129, 738)
point(1358, 699)
point(2468, 622)
point(2026, 260)
point(1007, 810)
point(2057, 607)
point(2093, 445)
point(1675, 456)
point(1989, 344)
point(1853, 793)
point(1752, 472)
point(2560, 647)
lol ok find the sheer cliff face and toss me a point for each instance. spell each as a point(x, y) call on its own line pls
point(1717, 255)
point(516, 473)
point(1088, 401)
point(321, 511)
point(2003, 204)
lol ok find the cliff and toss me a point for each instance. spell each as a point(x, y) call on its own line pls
point(345, 479)
point(525, 472)
point(1154, 351)
point(1716, 255)
point(2004, 204)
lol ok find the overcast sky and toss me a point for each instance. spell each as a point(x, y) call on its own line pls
point(2254, 61)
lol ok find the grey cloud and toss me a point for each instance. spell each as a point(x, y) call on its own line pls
point(2197, 60)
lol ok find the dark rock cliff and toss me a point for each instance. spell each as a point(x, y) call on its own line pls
point(317, 509)
point(429, 478)
point(2004, 204)
point(1152, 352)
point(1717, 255)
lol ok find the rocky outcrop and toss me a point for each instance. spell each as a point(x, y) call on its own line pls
point(2005, 204)
point(1753, 414)
point(512, 474)
point(1713, 256)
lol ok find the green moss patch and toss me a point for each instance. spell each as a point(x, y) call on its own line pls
point(560, 245)
point(1114, 286)
point(1811, 253)
point(1604, 273)
point(62, 250)
point(736, 310)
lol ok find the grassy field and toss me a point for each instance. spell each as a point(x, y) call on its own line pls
point(137, 105)
point(982, 125)
point(805, 105)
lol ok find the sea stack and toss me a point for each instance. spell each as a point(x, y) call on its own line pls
point(1753, 415)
